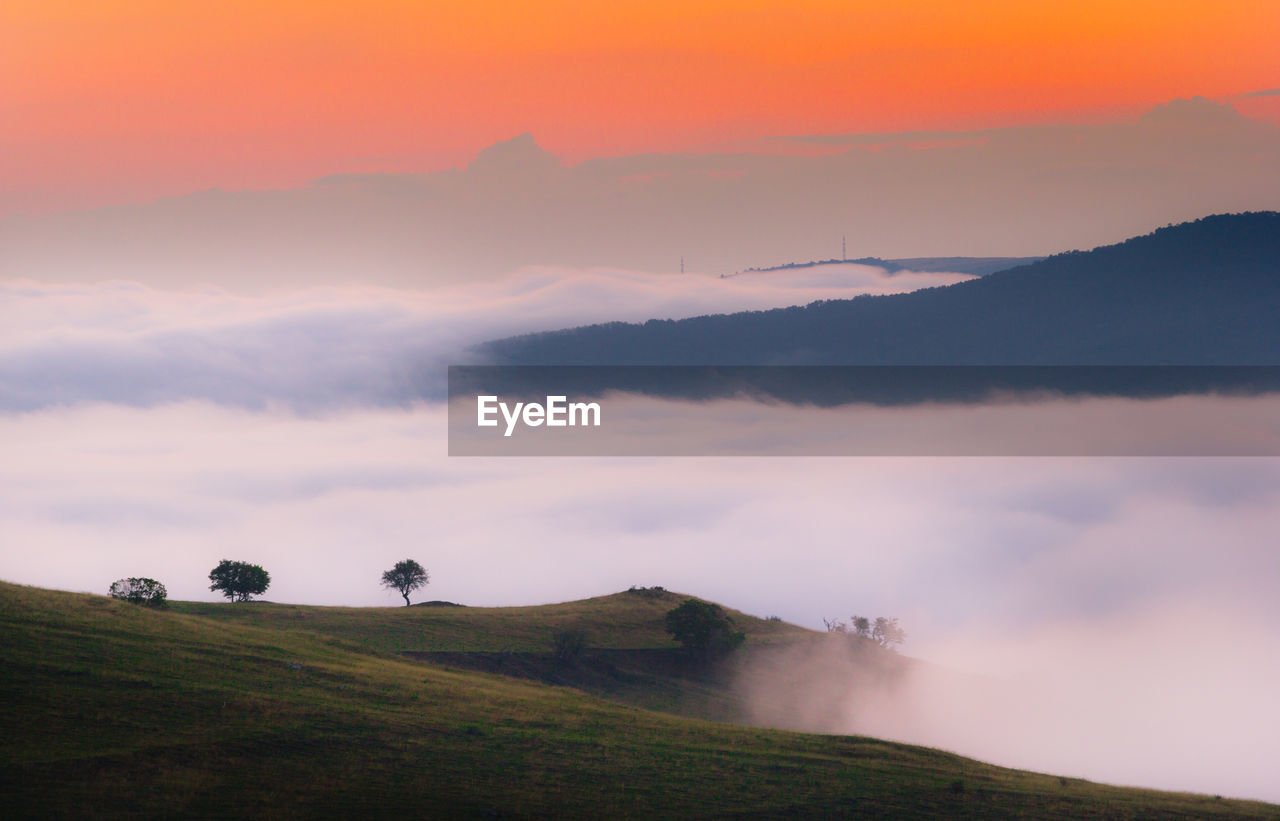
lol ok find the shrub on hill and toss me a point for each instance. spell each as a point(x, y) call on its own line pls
point(143, 591)
point(655, 592)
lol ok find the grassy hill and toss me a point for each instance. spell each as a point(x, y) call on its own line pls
point(629, 656)
point(628, 620)
point(277, 711)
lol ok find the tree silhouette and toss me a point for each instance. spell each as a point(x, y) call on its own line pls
point(703, 629)
point(239, 581)
point(406, 577)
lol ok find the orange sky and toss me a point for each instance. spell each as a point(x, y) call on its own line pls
point(122, 101)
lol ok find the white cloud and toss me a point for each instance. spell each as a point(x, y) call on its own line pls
point(154, 433)
point(340, 347)
point(1129, 601)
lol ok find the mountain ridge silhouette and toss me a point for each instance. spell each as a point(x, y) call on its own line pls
point(1205, 292)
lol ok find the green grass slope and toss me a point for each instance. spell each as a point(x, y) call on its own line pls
point(111, 710)
point(517, 641)
point(624, 621)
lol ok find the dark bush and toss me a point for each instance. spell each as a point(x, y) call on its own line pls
point(655, 592)
point(568, 645)
point(703, 629)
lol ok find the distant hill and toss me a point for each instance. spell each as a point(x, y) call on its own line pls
point(978, 266)
point(1200, 293)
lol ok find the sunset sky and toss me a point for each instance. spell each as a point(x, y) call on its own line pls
point(258, 372)
point(113, 102)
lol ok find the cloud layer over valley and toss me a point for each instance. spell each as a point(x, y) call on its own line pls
point(323, 348)
point(1119, 613)
point(1123, 610)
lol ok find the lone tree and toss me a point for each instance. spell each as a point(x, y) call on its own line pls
point(239, 581)
point(406, 577)
point(143, 591)
point(703, 629)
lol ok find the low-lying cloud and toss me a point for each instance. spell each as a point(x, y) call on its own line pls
point(1113, 619)
point(326, 348)
point(1171, 693)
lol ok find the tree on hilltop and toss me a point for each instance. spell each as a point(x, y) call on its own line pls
point(143, 591)
point(239, 581)
point(406, 577)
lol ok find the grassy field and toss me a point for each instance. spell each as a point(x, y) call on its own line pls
point(628, 621)
point(275, 711)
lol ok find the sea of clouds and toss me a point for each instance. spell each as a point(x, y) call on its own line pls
point(327, 348)
point(1115, 617)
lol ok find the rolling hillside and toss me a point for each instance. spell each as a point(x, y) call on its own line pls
point(622, 621)
point(628, 655)
point(112, 710)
